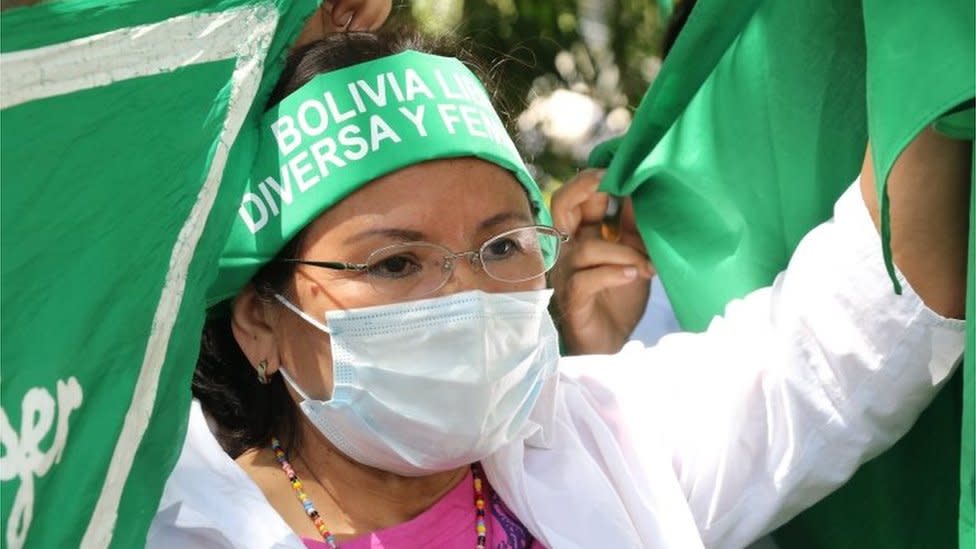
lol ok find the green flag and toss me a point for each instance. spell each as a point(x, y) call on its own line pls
point(967, 474)
point(756, 123)
point(127, 132)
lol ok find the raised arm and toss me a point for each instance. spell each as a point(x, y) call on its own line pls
point(928, 190)
point(797, 384)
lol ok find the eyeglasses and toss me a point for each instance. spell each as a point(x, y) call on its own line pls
point(416, 269)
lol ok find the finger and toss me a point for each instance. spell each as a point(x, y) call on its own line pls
point(578, 201)
point(371, 16)
point(569, 200)
point(628, 219)
point(343, 12)
point(342, 19)
point(581, 289)
point(629, 232)
point(315, 28)
point(596, 252)
point(586, 232)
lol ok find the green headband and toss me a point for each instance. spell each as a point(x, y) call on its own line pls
point(346, 128)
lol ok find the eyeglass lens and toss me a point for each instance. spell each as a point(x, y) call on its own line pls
point(417, 268)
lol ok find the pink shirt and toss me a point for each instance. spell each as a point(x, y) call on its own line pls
point(449, 524)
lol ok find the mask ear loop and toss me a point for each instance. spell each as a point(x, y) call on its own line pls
point(308, 318)
point(290, 381)
point(291, 307)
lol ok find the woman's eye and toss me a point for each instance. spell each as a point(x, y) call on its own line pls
point(397, 266)
point(501, 249)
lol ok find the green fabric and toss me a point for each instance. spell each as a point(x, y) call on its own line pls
point(911, 496)
point(717, 24)
point(913, 82)
point(766, 144)
point(112, 217)
point(348, 127)
point(758, 157)
point(959, 123)
point(967, 474)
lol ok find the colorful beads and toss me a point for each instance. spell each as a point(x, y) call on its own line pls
point(479, 505)
point(296, 483)
point(481, 528)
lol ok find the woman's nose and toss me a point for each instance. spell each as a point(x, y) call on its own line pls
point(467, 273)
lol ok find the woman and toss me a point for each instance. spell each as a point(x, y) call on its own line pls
point(387, 374)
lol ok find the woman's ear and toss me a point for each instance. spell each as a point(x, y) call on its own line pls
point(252, 326)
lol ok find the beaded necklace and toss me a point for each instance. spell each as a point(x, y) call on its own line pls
point(479, 500)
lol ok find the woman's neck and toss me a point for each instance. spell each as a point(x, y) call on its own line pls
point(353, 499)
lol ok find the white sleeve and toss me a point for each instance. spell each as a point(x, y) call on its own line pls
point(784, 396)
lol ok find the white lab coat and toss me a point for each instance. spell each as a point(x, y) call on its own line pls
point(704, 440)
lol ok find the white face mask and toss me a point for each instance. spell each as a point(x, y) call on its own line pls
point(431, 385)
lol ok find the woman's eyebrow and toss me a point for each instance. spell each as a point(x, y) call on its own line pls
point(405, 235)
point(498, 219)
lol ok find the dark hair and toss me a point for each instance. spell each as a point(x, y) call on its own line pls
point(248, 413)
point(682, 9)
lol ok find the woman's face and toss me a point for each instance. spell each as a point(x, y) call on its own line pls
point(455, 203)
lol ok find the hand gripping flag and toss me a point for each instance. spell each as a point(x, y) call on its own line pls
point(757, 121)
point(127, 133)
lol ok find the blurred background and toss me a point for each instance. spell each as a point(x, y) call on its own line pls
point(571, 72)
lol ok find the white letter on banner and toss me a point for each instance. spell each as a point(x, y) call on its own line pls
point(303, 121)
point(354, 94)
point(320, 157)
point(245, 213)
point(283, 190)
point(380, 130)
point(470, 92)
point(285, 133)
point(268, 199)
point(417, 119)
point(299, 167)
point(449, 120)
point(379, 95)
point(395, 86)
point(349, 137)
point(497, 132)
point(23, 457)
point(450, 94)
point(339, 117)
point(472, 119)
point(415, 85)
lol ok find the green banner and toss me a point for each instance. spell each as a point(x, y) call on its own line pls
point(757, 121)
point(351, 126)
point(126, 134)
point(967, 474)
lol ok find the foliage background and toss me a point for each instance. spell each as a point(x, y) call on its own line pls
point(570, 71)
